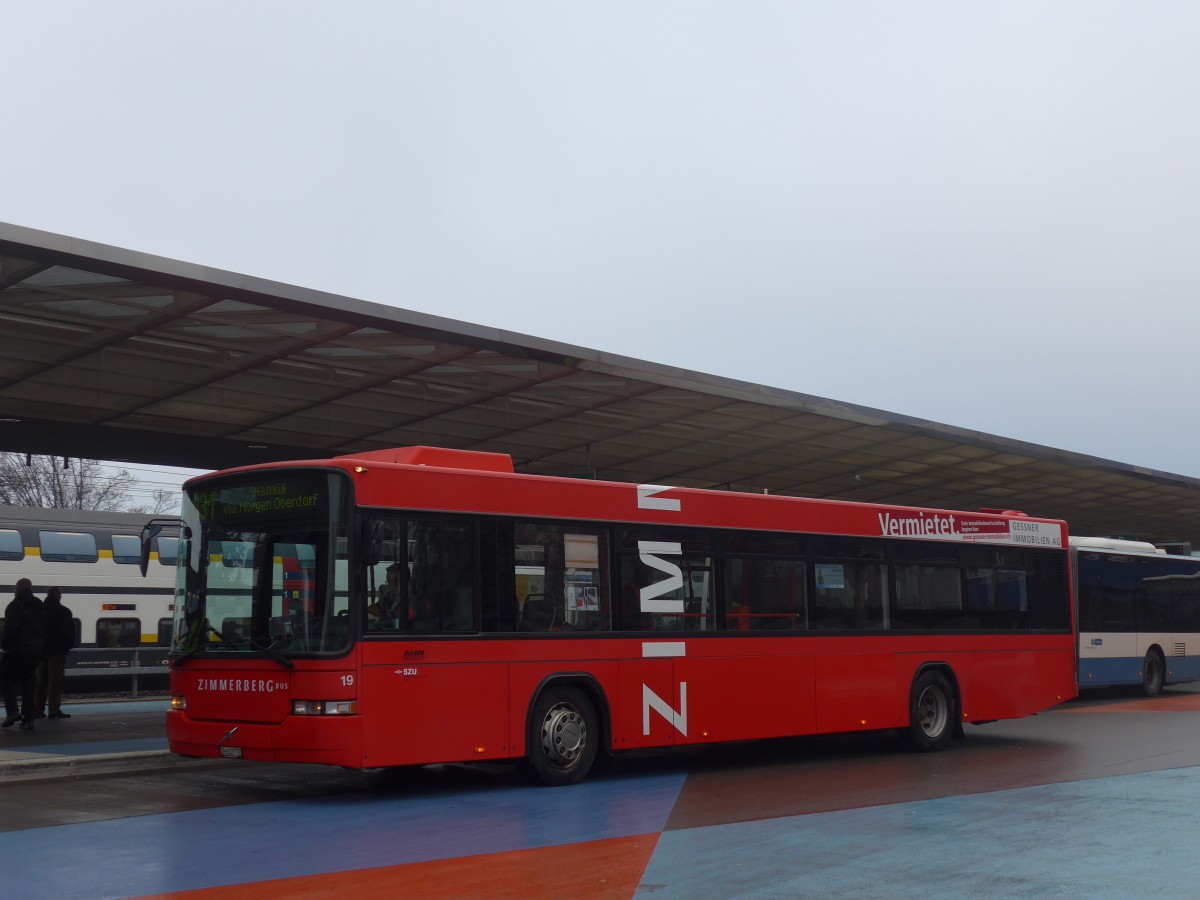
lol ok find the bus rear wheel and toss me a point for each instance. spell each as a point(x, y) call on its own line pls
point(563, 739)
point(1152, 673)
point(932, 712)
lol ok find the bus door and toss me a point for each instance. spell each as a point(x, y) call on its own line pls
point(426, 698)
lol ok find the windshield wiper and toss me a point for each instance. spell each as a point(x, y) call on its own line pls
point(241, 639)
point(271, 652)
point(178, 660)
point(188, 654)
point(265, 648)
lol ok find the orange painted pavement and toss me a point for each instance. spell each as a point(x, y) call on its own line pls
point(599, 869)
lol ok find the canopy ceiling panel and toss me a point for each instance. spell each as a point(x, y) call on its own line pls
point(114, 354)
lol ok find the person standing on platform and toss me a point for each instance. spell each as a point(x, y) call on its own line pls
point(24, 641)
point(60, 638)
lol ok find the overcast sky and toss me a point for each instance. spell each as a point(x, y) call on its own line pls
point(986, 215)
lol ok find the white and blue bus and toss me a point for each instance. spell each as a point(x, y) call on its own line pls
point(1139, 614)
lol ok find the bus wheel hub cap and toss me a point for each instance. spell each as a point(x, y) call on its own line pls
point(563, 735)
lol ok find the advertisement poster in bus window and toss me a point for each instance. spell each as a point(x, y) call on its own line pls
point(830, 576)
point(583, 570)
point(583, 597)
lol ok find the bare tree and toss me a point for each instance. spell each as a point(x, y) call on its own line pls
point(164, 501)
point(57, 483)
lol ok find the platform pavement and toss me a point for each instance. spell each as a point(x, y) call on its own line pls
point(1090, 801)
point(100, 737)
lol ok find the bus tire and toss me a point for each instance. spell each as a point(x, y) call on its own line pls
point(932, 712)
point(1153, 669)
point(564, 736)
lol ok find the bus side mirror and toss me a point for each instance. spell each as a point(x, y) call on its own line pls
point(152, 529)
point(149, 533)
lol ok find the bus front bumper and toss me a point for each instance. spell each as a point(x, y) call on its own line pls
point(329, 740)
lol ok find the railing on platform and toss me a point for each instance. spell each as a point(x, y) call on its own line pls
point(86, 665)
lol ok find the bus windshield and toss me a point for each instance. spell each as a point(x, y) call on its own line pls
point(262, 567)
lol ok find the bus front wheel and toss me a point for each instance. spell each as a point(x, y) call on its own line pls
point(1152, 673)
point(563, 739)
point(932, 712)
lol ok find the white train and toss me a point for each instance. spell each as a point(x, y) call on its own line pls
point(94, 558)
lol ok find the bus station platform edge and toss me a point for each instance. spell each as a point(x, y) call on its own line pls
point(101, 737)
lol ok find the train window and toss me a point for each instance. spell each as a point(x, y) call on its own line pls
point(11, 545)
point(127, 549)
point(168, 550)
point(118, 633)
point(68, 546)
point(164, 632)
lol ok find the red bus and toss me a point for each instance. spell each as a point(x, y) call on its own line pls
point(455, 611)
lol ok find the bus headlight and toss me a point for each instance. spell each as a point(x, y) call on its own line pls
point(179, 703)
point(324, 707)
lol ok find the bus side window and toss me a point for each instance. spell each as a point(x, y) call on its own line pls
point(421, 576)
point(850, 585)
point(666, 579)
point(441, 583)
point(765, 595)
point(385, 574)
point(499, 585)
point(928, 597)
point(561, 577)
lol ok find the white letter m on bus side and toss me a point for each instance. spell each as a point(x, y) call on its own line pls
point(651, 700)
point(646, 551)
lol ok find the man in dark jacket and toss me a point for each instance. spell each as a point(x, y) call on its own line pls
point(60, 638)
point(24, 640)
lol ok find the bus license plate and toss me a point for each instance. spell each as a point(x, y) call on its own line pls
point(231, 752)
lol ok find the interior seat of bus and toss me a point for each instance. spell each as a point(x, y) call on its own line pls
point(538, 613)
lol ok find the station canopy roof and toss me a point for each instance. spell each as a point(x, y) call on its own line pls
point(113, 354)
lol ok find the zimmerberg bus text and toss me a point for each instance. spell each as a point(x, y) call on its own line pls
point(241, 685)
